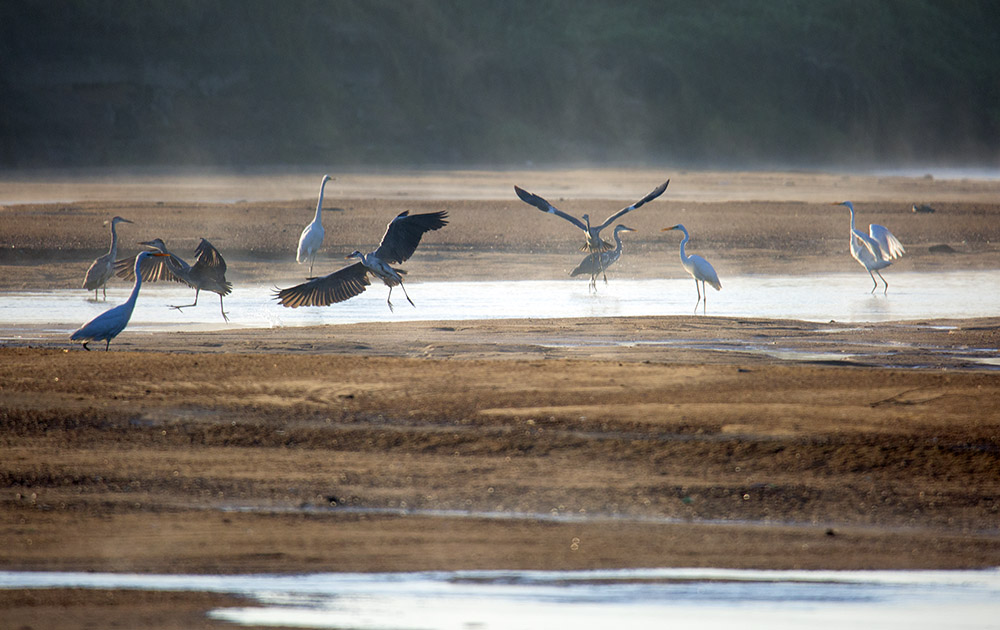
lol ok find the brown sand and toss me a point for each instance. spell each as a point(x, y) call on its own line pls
point(303, 449)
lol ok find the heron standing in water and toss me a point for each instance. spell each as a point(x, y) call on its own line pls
point(103, 268)
point(875, 250)
point(597, 263)
point(400, 240)
point(699, 268)
point(108, 324)
point(208, 272)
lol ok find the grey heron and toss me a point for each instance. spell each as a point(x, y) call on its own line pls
point(875, 250)
point(312, 235)
point(400, 240)
point(592, 233)
point(597, 263)
point(208, 271)
point(103, 268)
point(698, 267)
point(108, 324)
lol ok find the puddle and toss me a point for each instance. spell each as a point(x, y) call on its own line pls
point(838, 297)
point(706, 599)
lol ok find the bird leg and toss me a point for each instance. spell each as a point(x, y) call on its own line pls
point(196, 292)
point(875, 282)
point(223, 309)
point(85, 346)
point(107, 345)
point(886, 292)
point(407, 296)
point(699, 296)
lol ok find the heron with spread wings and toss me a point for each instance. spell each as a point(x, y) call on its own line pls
point(400, 240)
point(208, 271)
point(103, 268)
point(875, 250)
point(592, 233)
point(597, 263)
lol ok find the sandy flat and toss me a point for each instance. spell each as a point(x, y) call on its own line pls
point(494, 444)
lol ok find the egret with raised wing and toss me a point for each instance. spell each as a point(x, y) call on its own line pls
point(108, 324)
point(103, 268)
point(592, 233)
point(400, 240)
point(875, 250)
point(699, 268)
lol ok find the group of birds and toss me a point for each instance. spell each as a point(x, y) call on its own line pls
point(874, 251)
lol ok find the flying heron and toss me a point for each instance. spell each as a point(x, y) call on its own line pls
point(103, 268)
point(698, 267)
point(312, 235)
point(108, 324)
point(400, 240)
point(875, 250)
point(208, 272)
point(594, 242)
point(597, 263)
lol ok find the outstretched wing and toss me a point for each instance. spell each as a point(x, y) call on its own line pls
point(404, 232)
point(656, 192)
point(338, 286)
point(887, 242)
point(545, 206)
point(209, 261)
point(152, 269)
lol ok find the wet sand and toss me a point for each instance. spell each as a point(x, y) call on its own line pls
point(502, 444)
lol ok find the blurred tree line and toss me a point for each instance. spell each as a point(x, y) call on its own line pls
point(475, 82)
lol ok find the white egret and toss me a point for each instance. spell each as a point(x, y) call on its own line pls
point(108, 324)
point(594, 242)
point(400, 240)
point(875, 250)
point(312, 235)
point(698, 267)
point(103, 268)
point(597, 263)
point(208, 272)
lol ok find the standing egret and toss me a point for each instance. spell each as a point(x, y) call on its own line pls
point(312, 235)
point(874, 250)
point(208, 272)
point(108, 324)
point(698, 267)
point(103, 268)
point(594, 242)
point(598, 262)
point(400, 240)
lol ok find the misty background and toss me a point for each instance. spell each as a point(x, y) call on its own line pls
point(474, 83)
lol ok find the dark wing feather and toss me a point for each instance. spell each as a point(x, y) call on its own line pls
point(338, 286)
point(210, 269)
point(545, 206)
point(152, 269)
point(404, 232)
point(651, 196)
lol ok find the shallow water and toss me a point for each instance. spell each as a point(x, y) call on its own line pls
point(829, 297)
point(706, 599)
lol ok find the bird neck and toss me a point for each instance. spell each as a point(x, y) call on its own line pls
point(684, 241)
point(138, 281)
point(114, 240)
point(319, 204)
point(618, 242)
point(851, 208)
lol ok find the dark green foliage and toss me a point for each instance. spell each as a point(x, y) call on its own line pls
point(112, 82)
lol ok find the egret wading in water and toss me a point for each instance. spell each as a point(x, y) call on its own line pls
point(592, 233)
point(103, 268)
point(108, 324)
point(208, 272)
point(312, 235)
point(400, 240)
point(698, 267)
point(875, 250)
point(597, 263)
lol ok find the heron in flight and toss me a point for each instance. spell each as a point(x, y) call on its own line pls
point(875, 250)
point(592, 233)
point(103, 268)
point(312, 235)
point(698, 267)
point(208, 271)
point(597, 263)
point(400, 240)
point(108, 324)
